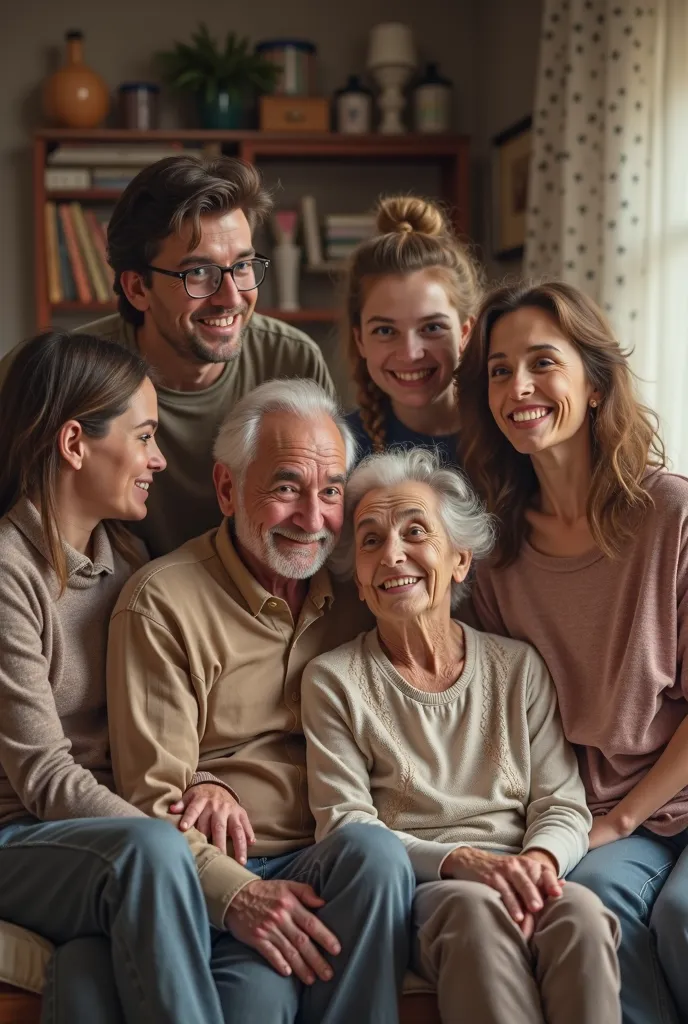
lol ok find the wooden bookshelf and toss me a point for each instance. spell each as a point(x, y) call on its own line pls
point(449, 153)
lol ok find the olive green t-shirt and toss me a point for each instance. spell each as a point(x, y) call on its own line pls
point(182, 502)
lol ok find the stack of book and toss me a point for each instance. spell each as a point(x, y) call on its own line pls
point(107, 166)
point(338, 234)
point(344, 231)
point(76, 246)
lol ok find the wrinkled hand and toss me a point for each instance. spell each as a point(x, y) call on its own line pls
point(271, 917)
point(215, 813)
point(524, 882)
point(606, 829)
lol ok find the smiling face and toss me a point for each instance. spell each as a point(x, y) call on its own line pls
point(411, 337)
point(404, 561)
point(288, 509)
point(199, 330)
point(539, 393)
point(116, 471)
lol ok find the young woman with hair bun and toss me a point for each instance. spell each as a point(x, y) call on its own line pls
point(411, 293)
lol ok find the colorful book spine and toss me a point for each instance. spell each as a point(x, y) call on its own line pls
point(66, 276)
point(99, 238)
point(83, 289)
point(89, 254)
point(52, 254)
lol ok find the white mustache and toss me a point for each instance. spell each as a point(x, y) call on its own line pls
point(301, 535)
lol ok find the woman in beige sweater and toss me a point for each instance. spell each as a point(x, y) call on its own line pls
point(115, 891)
point(452, 738)
point(591, 568)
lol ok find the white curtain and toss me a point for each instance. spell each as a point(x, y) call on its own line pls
point(608, 199)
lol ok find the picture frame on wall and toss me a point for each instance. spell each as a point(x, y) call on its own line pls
point(511, 151)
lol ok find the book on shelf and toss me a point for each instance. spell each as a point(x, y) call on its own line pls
point(97, 281)
point(110, 155)
point(311, 231)
point(83, 289)
point(77, 251)
point(55, 178)
point(329, 246)
point(68, 285)
point(114, 177)
point(351, 221)
point(53, 254)
point(98, 230)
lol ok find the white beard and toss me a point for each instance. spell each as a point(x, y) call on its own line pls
point(294, 566)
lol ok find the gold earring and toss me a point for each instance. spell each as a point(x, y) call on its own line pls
point(593, 403)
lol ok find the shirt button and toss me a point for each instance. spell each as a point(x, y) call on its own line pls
point(296, 696)
point(272, 604)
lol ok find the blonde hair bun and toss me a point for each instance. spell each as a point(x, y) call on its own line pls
point(405, 214)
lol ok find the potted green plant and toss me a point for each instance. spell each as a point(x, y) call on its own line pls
point(225, 80)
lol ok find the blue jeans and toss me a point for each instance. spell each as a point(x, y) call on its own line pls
point(644, 880)
point(121, 900)
point(364, 875)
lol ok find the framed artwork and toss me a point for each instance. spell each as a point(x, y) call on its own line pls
point(510, 168)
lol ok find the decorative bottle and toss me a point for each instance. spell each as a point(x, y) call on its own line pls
point(75, 96)
point(432, 102)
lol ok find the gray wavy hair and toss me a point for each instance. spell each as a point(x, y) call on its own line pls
point(466, 523)
point(236, 441)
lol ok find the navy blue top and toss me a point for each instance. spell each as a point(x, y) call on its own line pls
point(397, 434)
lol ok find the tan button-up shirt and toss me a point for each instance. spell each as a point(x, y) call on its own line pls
point(204, 672)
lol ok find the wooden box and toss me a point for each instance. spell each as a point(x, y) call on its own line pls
point(294, 114)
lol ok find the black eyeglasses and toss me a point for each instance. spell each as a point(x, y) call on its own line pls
point(200, 282)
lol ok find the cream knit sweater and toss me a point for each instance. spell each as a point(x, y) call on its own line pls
point(484, 763)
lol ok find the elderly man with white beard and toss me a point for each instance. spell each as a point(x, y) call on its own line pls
point(206, 652)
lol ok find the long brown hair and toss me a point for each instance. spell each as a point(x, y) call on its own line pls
point(623, 432)
point(413, 234)
point(54, 378)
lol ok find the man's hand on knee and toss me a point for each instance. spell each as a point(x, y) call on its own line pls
point(271, 917)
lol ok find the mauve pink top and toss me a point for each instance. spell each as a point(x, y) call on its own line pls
point(613, 634)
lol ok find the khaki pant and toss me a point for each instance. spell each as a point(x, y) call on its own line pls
point(486, 973)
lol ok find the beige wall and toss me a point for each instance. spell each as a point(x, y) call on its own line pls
point(486, 46)
point(508, 34)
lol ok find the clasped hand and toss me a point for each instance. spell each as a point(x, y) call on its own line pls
point(214, 812)
point(524, 882)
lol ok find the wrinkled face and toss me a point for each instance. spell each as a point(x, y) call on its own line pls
point(117, 470)
point(539, 394)
point(288, 510)
point(203, 330)
point(404, 561)
point(410, 337)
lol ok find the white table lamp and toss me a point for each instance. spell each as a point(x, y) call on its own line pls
point(391, 60)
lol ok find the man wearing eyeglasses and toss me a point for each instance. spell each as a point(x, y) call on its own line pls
point(187, 278)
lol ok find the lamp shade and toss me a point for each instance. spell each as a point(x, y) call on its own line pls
point(391, 44)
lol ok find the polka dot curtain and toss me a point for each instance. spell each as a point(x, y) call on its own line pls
point(608, 198)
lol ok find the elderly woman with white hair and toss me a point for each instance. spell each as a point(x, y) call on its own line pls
point(452, 739)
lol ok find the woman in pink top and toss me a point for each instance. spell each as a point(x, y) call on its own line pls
point(592, 569)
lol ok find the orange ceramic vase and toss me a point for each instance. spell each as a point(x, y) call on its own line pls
point(75, 96)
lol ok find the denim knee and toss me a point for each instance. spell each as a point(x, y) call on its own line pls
point(609, 886)
point(158, 844)
point(669, 919)
point(377, 851)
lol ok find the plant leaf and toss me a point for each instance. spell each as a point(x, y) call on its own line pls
point(202, 67)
